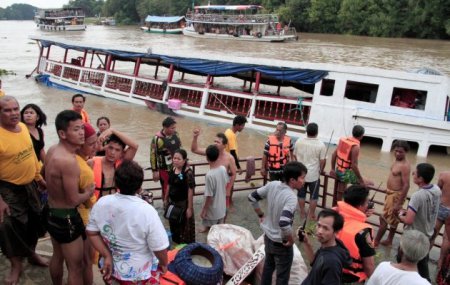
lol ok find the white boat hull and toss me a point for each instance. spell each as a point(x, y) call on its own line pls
point(62, 28)
point(276, 38)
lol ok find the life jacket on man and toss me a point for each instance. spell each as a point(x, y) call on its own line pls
point(278, 152)
point(354, 222)
point(98, 176)
point(344, 152)
point(170, 145)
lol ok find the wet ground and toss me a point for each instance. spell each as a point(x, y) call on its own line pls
point(242, 215)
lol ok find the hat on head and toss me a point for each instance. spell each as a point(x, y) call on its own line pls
point(88, 130)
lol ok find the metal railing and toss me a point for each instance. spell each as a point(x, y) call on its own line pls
point(327, 197)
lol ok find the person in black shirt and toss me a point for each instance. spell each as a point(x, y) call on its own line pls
point(332, 256)
point(180, 194)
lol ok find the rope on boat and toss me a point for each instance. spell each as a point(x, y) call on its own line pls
point(220, 101)
point(299, 108)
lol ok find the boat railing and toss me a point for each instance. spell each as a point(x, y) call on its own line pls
point(327, 189)
point(288, 31)
point(259, 108)
point(216, 18)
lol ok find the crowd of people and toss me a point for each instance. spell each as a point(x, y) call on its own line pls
point(86, 192)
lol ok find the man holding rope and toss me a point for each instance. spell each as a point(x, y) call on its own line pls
point(312, 153)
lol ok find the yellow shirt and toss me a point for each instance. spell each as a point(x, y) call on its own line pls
point(18, 162)
point(2, 93)
point(86, 179)
point(232, 141)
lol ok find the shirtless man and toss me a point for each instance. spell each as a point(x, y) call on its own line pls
point(62, 174)
point(118, 147)
point(225, 158)
point(443, 214)
point(396, 192)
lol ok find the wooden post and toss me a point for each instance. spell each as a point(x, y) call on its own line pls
point(92, 59)
point(84, 58)
point(170, 75)
point(157, 68)
point(136, 66)
point(48, 52)
point(108, 62)
point(258, 79)
point(65, 56)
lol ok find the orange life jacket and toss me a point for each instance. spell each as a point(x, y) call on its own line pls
point(343, 151)
point(278, 152)
point(98, 175)
point(84, 116)
point(354, 222)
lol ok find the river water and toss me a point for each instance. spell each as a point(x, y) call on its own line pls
point(19, 54)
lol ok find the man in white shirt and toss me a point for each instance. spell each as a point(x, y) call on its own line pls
point(311, 152)
point(126, 227)
point(414, 246)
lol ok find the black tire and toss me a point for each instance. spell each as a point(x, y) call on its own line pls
point(193, 274)
point(258, 35)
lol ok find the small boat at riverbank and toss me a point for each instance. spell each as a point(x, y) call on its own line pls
point(164, 25)
point(391, 105)
point(236, 22)
point(64, 19)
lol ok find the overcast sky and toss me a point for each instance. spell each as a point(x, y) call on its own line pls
point(36, 3)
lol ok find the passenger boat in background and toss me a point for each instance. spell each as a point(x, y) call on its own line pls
point(164, 25)
point(236, 22)
point(64, 19)
point(391, 105)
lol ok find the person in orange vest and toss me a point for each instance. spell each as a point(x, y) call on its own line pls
point(344, 162)
point(118, 147)
point(78, 101)
point(278, 151)
point(332, 256)
point(357, 235)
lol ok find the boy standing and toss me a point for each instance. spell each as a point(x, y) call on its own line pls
point(422, 209)
point(214, 208)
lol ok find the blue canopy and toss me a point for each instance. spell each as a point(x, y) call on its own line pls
point(158, 19)
point(222, 68)
point(205, 66)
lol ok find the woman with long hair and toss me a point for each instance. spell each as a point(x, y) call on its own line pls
point(103, 123)
point(181, 194)
point(34, 118)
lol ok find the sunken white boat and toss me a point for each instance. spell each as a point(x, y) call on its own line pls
point(391, 105)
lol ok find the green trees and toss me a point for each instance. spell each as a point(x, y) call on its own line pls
point(91, 7)
point(17, 12)
point(382, 18)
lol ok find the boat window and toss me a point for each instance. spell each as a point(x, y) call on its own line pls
point(361, 91)
point(409, 98)
point(327, 87)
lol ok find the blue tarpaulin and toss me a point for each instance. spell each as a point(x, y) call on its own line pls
point(158, 19)
point(221, 68)
point(209, 67)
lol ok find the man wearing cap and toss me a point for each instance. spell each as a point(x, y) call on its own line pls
point(163, 146)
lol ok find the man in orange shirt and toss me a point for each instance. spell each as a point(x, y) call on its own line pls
point(78, 101)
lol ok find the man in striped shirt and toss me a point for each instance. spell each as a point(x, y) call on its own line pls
point(277, 222)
